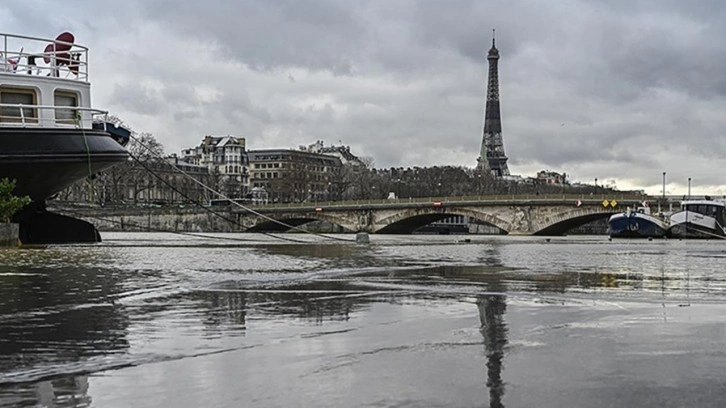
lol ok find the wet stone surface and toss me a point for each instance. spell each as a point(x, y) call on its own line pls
point(151, 320)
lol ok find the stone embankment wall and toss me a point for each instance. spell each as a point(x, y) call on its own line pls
point(9, 235)
point(152, 219)
point(170, 219)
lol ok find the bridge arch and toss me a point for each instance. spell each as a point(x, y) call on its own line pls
point(407, 221)
point(295, 220)
point(567, 220)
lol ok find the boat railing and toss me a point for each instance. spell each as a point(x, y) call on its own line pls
point(43, 57)
point(18, 114)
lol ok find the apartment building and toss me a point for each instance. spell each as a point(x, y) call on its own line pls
point(293, 175)
point(227, 160)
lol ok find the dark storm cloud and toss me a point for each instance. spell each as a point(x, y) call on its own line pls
point(319, 34)
point(587, 86)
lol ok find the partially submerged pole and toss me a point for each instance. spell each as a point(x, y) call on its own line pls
point(362, 238)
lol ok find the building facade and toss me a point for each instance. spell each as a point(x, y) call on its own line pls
point(226, 159)
point(293, 175)
point(341, 152)
point(551, 177)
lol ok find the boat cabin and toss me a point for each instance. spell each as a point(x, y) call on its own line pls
point(44, 83)
point(709, 208)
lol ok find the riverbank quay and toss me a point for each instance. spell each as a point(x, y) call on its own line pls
point(149, 218)
point(168, 218)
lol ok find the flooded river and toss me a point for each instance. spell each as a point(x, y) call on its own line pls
point(236, 320)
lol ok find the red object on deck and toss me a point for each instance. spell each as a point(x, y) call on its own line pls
point(437, 203)
point(318, 209)
point(60, 49)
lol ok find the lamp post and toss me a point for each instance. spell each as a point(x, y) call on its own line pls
point(689, 188)
point(662, 201)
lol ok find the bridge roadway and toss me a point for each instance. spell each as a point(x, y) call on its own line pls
point(513, 214)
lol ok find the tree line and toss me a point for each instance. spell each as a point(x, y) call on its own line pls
point(145, 178)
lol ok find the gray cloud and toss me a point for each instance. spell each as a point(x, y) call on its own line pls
point(137, 98)
point(616, 90)
point(318, 34)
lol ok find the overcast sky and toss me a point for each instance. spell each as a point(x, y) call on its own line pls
point(610, 89)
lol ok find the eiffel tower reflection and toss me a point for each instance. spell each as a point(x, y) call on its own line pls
point(494, 330)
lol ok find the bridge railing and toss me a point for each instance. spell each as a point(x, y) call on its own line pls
point(534, 198)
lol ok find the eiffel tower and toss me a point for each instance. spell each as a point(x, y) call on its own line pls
point(492, 157)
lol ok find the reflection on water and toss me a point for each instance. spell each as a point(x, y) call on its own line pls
point(65, 392)
point(494, 331)
point(58, 314)
point(67, 312)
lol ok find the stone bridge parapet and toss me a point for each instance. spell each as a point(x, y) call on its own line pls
point(521, 215)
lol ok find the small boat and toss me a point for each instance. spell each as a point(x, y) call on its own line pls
point(50, 136)
point(637, 224)
point(699, 219)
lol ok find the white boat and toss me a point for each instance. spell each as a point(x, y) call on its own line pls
point(50, 136)
point(699, 219)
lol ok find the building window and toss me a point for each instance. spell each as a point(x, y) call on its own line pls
point(65, 98)
point(18, 96)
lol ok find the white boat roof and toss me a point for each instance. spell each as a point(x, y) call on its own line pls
point(715, 203)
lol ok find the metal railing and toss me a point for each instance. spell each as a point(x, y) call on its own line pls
point(18, 114)
point(500, 198)
point(28, 55)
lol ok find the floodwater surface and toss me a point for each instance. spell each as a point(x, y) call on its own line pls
point(233, 320)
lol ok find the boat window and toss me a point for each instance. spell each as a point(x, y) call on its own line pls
point(18, 96)
point(65, 98)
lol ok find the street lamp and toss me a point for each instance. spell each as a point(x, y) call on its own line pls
point(689, 188)
point(664, 174)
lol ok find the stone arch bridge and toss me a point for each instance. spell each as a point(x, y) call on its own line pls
point(513, 214)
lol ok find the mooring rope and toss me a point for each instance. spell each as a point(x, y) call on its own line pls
point(221, 195)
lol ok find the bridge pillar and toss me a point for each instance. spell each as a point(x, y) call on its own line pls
point(520, 222)
point(364, 220)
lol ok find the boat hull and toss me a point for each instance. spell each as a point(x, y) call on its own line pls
point(45, 161)
point(689, 224)
point(636, 225)
point(690, 230)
